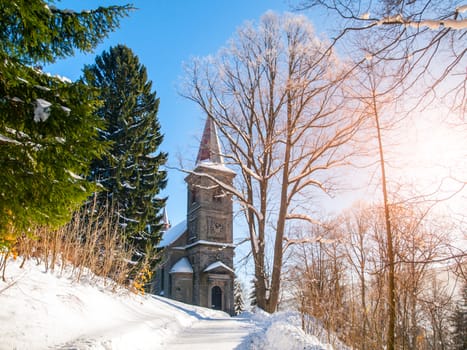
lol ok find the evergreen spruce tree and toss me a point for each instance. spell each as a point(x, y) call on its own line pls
point(47, 124)
point(459, 324)
point(131, 173)
point(239, 304)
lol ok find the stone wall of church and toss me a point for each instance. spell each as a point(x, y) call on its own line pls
point(209, 225)
point(201, 257)
point(182, 287)
point(209, 209)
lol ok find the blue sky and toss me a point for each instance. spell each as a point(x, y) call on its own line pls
point(164, 34)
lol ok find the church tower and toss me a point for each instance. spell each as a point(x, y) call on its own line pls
point(210, 246)
point(197, 266)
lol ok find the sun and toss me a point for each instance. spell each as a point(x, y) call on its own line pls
point(433, 154)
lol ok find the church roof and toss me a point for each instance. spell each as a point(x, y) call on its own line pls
point(172, 234)
point(209, 148)
point(216, 265)
point(182, 266)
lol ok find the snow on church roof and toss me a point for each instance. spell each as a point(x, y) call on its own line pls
point(182, 266)
point(216, 265)
point(216, 166)
point(172, 234)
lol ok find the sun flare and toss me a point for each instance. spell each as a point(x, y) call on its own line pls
point(433, 156)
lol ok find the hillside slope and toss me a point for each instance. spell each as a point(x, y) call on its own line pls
point(42, 310)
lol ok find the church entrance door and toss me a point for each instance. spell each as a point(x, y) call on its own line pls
point(216, 298)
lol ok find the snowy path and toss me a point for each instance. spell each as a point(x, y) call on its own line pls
point(218, 334)
point(53, 311)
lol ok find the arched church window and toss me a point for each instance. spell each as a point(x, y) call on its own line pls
point(194, 195)
point(218, 195)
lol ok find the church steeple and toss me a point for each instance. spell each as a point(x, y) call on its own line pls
point(199, 252)
point(165, 220)
point(209, 148)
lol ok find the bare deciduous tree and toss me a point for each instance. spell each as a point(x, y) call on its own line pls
point(425, 38)
point(338, 274)
point(276, 95)
point(424, 42)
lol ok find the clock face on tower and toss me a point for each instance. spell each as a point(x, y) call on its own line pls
point(216, 228)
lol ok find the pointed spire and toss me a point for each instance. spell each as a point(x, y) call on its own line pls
point(165, 220)
point(209, 148)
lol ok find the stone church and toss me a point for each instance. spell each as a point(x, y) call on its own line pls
point(197, 266)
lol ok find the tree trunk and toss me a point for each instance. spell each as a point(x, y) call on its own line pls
point(390, 341)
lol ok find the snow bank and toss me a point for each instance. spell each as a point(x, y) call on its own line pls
point(45, 310)
point(282, 330)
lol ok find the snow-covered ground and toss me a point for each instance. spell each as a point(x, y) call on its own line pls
point(48, 311)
